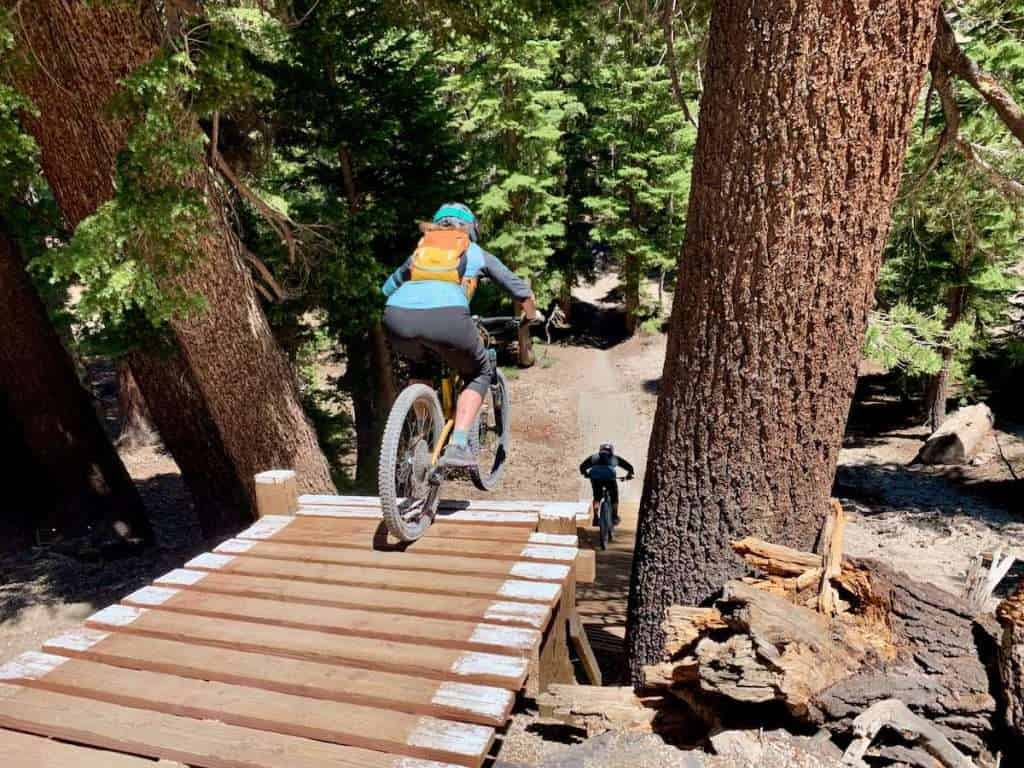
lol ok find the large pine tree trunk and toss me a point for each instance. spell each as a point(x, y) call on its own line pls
point(82, 481)
point(804, 123)
point(136, 429)
point(937, 391)
point(223, 397)
point(370, 381)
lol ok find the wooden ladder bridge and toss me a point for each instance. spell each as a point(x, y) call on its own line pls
point(306, 642)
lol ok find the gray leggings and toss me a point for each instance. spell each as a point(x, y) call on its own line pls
point(449, 333)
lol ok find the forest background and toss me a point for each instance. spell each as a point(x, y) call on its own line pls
point(308, 138)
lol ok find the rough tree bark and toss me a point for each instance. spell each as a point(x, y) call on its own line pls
point(804, 123)
point(222, 395)
point(370, 380)
point(136, 429)
point(82, 481)
point(937, 391)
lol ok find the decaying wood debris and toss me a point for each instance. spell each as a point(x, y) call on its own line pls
point(828, 637)
point(1011, 658)
point(595, 709)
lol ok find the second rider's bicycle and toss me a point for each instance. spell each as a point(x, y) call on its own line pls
point(606, 516)
point(418, 430)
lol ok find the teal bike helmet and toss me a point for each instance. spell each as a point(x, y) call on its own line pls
point(457, 216)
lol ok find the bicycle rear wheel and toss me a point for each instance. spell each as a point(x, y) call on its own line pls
point(605, 521)
point(408, 500)
point(491, 435)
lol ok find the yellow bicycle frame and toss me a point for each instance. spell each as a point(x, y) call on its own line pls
point(448, 387)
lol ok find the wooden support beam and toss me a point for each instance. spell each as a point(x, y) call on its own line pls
point(277, 493)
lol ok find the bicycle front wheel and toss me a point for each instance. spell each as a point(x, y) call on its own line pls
point(408, 500)
point(491, 435)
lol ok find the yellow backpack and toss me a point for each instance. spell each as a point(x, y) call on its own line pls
point(439, 256)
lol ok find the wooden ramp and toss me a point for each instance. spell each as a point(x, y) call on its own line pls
point(309, 641)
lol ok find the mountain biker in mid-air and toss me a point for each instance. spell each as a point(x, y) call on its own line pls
point(600, 468)
point(428, 311)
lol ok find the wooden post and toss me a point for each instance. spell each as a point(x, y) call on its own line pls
point(277, 493)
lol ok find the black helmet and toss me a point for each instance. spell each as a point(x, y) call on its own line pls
point(458, 216)
point(606, 449)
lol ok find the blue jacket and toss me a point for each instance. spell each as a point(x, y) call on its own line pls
point(432, 294)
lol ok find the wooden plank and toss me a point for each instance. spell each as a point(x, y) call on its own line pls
point(501, 670)
point(482, 704)
point(304, 529)
point(336, 722)
point(409, 560)
point(541, 547)
point(578, 508)
point(464, 516)
point(533, 615)
point(20, 750)
point(512, 584)
point(448, 633)
point(203, 743)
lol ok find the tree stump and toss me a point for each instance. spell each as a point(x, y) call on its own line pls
point(893, 638)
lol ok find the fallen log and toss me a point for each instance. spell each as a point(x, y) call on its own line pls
point(959, 437)
point(1011, 658)
point(897, 638)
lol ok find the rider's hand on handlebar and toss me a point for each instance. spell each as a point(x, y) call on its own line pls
point(629, 476)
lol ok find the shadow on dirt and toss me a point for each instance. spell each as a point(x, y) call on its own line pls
point(86, 570)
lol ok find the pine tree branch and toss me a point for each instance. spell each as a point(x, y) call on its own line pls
point(1009, 186)
point(670, 56)
point(952, 56)
point(278, 221)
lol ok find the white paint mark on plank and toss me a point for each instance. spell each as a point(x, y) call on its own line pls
point(235, 546)
point(479, 699)
point(80, 639)
point(275, 476)
point(180, 577)
point(450, 736)
point(543, 552)
point(501, 636)
point(152, 595)
point(117, 615)
point(209, 561)
point(31, 666)
point(533, 614)
point(267, 527)
point(487, 516)
point(414, 762)
point(344, 512)
point(474, 663)
point(529, 590)
point(540, 571)
point(555, 539)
